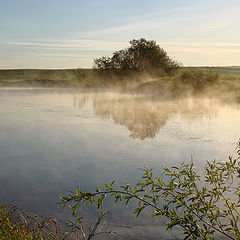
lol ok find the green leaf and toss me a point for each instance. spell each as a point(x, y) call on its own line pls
point(60, 195)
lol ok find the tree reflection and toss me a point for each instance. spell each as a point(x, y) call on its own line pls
point(144, 116)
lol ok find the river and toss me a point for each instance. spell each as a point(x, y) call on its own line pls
point(53, 139)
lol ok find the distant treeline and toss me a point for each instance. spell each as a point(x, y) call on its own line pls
point(229, 70)
point(42, 77)
point(72, 74)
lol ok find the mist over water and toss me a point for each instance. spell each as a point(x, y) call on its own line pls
point(52, 139)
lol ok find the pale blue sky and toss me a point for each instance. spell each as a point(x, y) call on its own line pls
point(71, 33)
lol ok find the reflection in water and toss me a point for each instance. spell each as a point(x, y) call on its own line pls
point(80, 100)
point(143, 116)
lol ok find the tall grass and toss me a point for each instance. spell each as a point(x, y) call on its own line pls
point(16, 224)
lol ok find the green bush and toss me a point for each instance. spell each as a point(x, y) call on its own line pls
point(205, 207)
point(142, 56)
point(197, 78)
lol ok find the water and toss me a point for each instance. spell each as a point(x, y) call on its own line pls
point(53, 139)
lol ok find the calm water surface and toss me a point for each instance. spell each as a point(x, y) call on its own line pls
point(52, 139)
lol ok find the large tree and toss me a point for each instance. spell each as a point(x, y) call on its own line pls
point(142, 56)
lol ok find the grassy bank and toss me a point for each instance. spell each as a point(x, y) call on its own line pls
point(227, 75)
point(44, 77)
point(16, 224)
point(227, 84)
point(83, 77)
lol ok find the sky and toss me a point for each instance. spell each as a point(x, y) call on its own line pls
point(71, 33)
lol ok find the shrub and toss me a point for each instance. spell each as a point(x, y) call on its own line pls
point(142, 56)
point(197, 78)
point(16, 224)
point(203, 206)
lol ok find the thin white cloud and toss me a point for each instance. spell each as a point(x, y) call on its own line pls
point(216, 24)
point(206, 51)
point(95, 45)
point(187, 51)
point(199, 44)
point(73, 44)
point(62, 55)
point(41, 61)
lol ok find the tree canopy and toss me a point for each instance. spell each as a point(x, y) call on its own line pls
point(142, 56)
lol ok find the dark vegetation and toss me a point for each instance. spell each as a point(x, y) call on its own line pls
point(16, 224)
point(193, 81)
point(197, 78)
point(142, 57)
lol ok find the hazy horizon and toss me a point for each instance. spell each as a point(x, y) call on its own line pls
point(49, 68)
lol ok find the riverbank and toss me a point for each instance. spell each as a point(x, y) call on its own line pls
point(45, 77)
point(86, 77)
